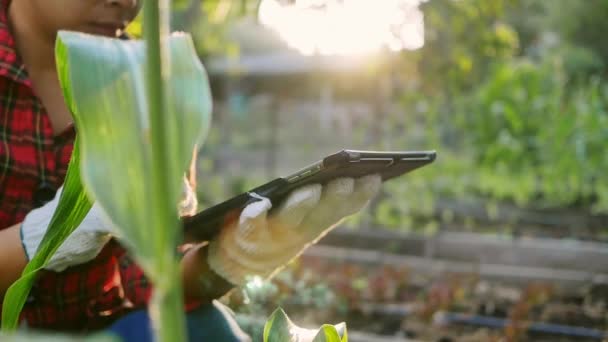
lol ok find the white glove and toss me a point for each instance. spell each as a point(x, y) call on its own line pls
point(81, 246)
point(89, 238)
point(259, 245)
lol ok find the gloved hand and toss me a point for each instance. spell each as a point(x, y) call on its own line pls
point(260, 244)
point(81, 246)
point(89, 238)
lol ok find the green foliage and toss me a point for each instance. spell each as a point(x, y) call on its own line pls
point(73, 207)
point(570, 30)
point(137, 138)
point(514, 98)
point(524, 135)
point(279, 328)
point(582, 23)
point(541, 139)
point(330, 333)
point(141, 138)
point(209, 22)
point(463, 39)
point(506, 114)
point(109, 105)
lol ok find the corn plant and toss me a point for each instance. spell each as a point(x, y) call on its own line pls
point(139, 108)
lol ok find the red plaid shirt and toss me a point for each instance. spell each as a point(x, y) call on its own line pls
point(33, 163)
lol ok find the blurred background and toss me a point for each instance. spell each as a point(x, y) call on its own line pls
point(503, 238)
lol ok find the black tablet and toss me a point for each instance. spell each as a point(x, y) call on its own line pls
point(346, 163)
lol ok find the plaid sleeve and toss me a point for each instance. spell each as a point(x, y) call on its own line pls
point(88, 296)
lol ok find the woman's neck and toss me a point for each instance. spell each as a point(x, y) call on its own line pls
point(35, 47)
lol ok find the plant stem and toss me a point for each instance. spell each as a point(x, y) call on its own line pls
point(166, 308)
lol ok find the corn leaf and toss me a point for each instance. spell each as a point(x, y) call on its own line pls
point(72, 208)
point(104, 84)
point(140, 109)
point(139, 114)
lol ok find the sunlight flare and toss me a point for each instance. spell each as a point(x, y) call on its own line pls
point(346, 27)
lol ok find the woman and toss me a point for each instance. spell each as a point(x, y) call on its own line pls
point(91, 283)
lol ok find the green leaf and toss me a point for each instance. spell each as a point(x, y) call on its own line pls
point(104, 83)
point(139, 115)
point(72, 208)
point(140, 109)
point(279, 328)
point(327, 333)
point(341, 328)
